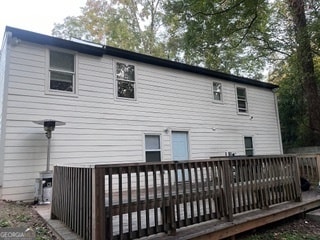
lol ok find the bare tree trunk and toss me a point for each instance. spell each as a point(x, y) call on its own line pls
point(306, 67)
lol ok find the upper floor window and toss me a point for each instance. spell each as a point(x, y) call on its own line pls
point(152, 148)
point(217, 91)
point(248, 144)
point(62, 71)
point(242, 100)
point(125, 78)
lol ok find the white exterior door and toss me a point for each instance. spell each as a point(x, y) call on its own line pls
point(180, 150)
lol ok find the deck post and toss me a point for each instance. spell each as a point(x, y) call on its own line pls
point(227, 187)
point(297, 179)
point(98, 204)
point(318, 168)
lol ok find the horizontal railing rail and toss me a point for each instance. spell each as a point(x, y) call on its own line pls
point(140, 199)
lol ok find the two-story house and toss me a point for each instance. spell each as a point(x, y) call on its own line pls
point(120, 106)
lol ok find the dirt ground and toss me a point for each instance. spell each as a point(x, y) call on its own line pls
point(15, 214)
point(294, 228)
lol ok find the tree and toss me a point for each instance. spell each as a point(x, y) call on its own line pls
point(223, 35)
point(306, 70)
point(128, 24)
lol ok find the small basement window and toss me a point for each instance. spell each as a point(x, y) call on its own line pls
point(125, 78)
point(242, 100)
point(62, 71)
point(152, 148)
point(248, 144)
point(217, 91)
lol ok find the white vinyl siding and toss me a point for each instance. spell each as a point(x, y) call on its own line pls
point(101, 130)
point(4, 59)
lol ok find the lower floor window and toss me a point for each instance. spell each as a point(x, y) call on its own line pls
point(152, 148)
point(248, 143)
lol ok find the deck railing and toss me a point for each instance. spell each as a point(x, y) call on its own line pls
point(135, 200)
point(309, 165)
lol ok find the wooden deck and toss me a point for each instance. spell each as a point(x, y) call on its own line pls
point(219, 229)
point(216, 229)
point(216, 198)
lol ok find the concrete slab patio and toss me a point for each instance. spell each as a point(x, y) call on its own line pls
point(60, 229)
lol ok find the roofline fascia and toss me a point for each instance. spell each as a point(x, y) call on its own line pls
point(117, 52)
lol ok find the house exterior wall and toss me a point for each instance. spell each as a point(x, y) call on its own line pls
point(3, 100)
point(103, 129)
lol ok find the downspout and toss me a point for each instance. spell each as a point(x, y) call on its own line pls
point(278, 118)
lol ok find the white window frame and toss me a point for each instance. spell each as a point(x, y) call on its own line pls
point(152, 150)
point(116, 61)
point(246, 112)
point(245, 147)
point(214, 91)
point(75, 84)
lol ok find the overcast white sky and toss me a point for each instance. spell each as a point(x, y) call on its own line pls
point(36, 15)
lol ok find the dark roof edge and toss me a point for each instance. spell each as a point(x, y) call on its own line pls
point(116, 52)
point(54, 41)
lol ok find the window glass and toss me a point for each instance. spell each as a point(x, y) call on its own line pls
point(62, 61)
point(61, 81)
point(153, 156)
point(152, 142)
point(62, 75)
point(125, 76)
point(125, 89)
point(242, 100)
point(248, 146)
point(152, 148)
point(217, 91)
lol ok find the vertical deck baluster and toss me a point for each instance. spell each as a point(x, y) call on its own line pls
point(155, 197)
point(146, 178)
point(251, 178)
point(191, 202)
point(177, 194)
point(185, 196)
point(110, 214)
point(237, 172)
point(170, 208)
point(203, 194)
point(246, 176)
point(197, 191)
point(163, 204)
point(120, 192)
point(215, 188)
point(138, 201)
point(209, 189)
point(130, 222)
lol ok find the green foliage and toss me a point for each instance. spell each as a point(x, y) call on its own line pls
point(4, 223)
point(23, 218)
point(131, 25)
point(292, 103)
point(223, 35)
